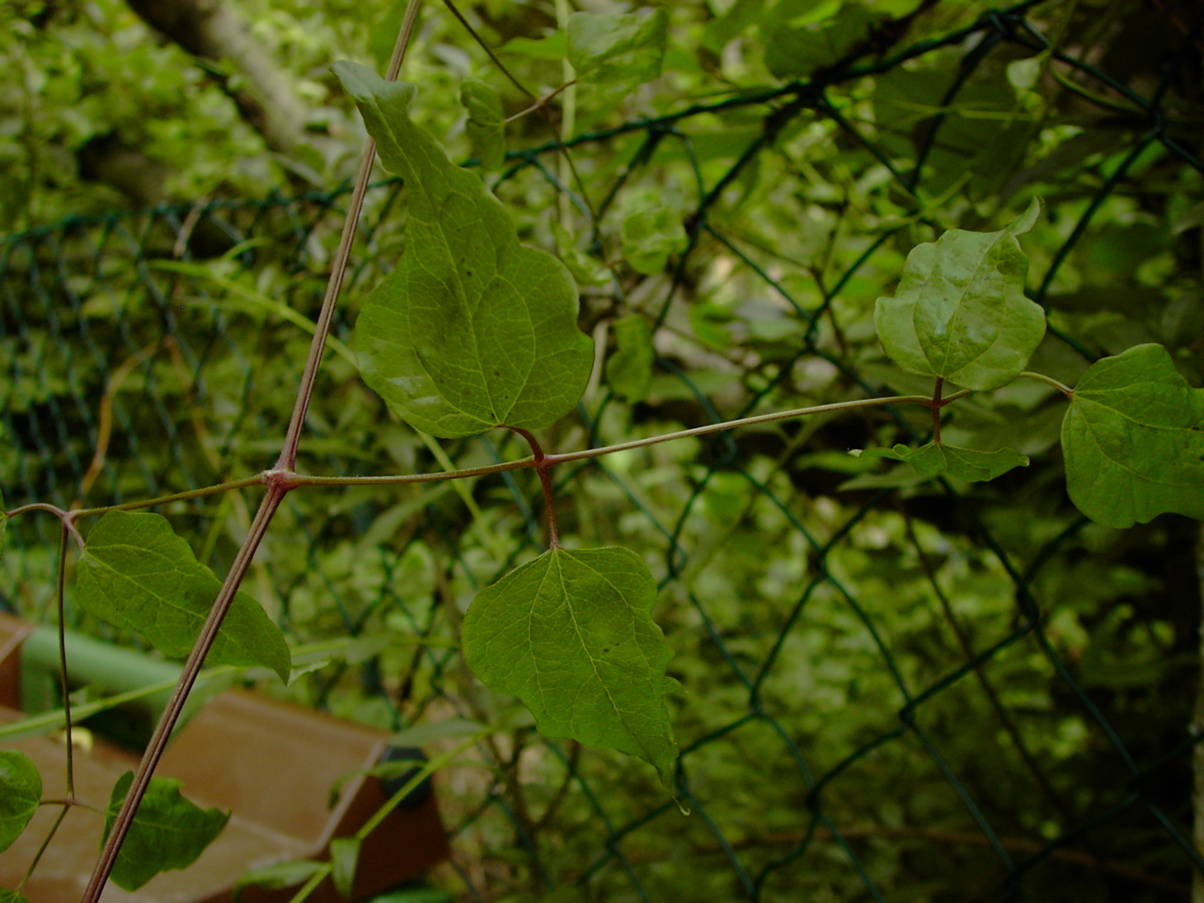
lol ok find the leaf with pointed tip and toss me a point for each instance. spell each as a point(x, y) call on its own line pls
point(629, 370)
point(20, 793)
point(571, 635)
point(137, 574)
point(933, 460)
point(471, 330)
point(617, 50)
point(168, 831)
point(486, 126)
point(1133, 440)
point(960, 311)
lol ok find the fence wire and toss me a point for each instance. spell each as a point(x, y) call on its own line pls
point(893, 705)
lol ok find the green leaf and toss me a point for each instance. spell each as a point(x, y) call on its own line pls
point(618, 51)
point(571, 635)
point(422, 734)
point(472, 329)
point(650, 235)
point(933, 460)
point(11, 896)
point(629, 370)
point(486, 125)
point(278, 876)
point(168, 832)
point(344, 854)
point(137, 574)
point(797, 52)
point(1133, 440)
point(960, 311)
point(551, 48)
point(20, 792)
point(740, 15)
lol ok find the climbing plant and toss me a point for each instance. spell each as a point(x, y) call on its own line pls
point(474, 330)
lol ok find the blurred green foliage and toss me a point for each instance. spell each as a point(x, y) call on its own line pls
point(895, 690)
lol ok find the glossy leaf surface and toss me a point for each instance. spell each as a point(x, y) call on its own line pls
point(960, 310)
point(617, 50)
point(20, 792)
point(471, 329)
point(971, 465)
point(486, 126)
point(1133, 440)
point(137, 574)
point(168, 831)
point(571, 635)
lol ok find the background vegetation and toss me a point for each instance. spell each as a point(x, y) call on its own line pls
point(897, 690)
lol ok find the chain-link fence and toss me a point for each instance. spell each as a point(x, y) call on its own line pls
point(896, 691)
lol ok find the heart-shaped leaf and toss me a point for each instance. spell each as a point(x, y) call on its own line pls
point(471, 330)
point(20, 793)
point(168, 831)
point(960, 311)
point(1133, 440)
point(933, 460)
point(137, 574)
point(571, 635)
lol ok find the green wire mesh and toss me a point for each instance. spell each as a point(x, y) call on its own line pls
point(883, 709)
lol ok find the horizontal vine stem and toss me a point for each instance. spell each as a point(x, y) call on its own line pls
point(1049, 380)
point(243, 483)
point(298, 479)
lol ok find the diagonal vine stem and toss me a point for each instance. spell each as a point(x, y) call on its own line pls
point(277, 489)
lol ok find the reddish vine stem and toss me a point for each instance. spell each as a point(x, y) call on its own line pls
point(278, 485)
point(60, 592)
point(543, 466)
point(936, 410)
point(175, 705)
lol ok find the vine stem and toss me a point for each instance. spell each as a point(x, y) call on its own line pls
point(278, 487)
point(288, 455)
point(540, 462)
point(300, 479)
point(175, 705)
point(1049, 380)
